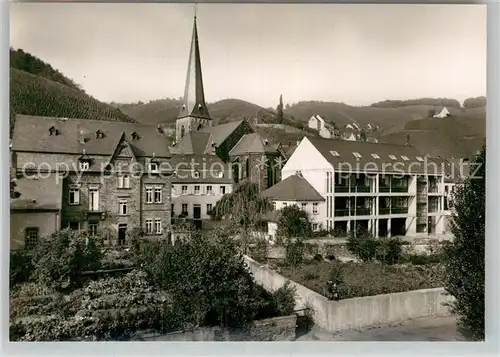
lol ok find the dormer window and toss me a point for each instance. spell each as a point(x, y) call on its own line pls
point(196, 174)
point(392, 157)
point(200, 107)
point(334, 153)
point(405, 158)
point(84, 165)
point(357, 155)
point(153, 167)
point(99, 134)
point(420, 159)
point(135, 136)
point(375, 156)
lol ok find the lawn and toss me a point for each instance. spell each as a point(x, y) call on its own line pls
point(365, 279)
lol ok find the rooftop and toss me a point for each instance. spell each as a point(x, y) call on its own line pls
point(293, 188)
point(253, 143)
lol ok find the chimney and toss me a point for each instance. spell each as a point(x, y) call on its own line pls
point(407, 140)
point(82, 138)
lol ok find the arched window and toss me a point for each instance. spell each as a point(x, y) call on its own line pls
point(183, 131)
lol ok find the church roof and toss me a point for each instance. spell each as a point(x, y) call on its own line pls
point(221, 132)
point(194, 142)
point(252, 144)
point(194, 96)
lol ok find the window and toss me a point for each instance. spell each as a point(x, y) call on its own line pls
point(334, 153)
point(172, 209)
point(196, 174)
point(153, 167)
point(209, 208)
point(315, 208)
point(123, 207)
point(74, 195)
point(405, 158)
point(74, 225)
point(419, 158)
point(93, 199)
point(196, 190)
point(84, 165)
point(149, 194)
point(124, 181)
point(223, 190)
point(158, 226)
point(31, 237)
point(184, 208)
point(274, 205)
point(392, 157)
point(357, 155)
point(93, 228)
point(209, 190)
point(184, 189)
point(149, 226)
point(158, 194)
point(315, 227)
point(375, 156)
point(284, 204)
point(304, 205)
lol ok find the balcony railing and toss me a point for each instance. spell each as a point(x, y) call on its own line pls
point(341, 212)
point(399, 189)
point(399, 210)
point(361, 212)
point(341, 188)
point(360, 188)
point(384, 189)
point(433, 189)
point(384, 210)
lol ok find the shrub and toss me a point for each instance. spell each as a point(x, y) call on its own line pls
point(389, 250)
point(21, 267)
point(294, 222)
point(295, 253)
point(60, 260)
point(362, 244)
point(284, 300)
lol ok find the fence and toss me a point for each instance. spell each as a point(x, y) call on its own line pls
point(355, 313)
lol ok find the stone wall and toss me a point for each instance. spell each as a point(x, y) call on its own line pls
point(356, 313)
point(274, 329)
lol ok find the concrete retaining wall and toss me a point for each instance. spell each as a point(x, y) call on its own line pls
point(357, 313)
point(275, 329)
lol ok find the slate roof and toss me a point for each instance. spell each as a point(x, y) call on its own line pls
point(221, 132)
point(405, 158)
point(252, 144)
point(194, 142)
point(37, 194)
point(206, 166)
point(31, 133)
point(293, 188)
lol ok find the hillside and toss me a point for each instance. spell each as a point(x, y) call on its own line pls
point(458, 136)
point(51, 94)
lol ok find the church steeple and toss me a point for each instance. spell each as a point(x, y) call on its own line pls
point(194, 97)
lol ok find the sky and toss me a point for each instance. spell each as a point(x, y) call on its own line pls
point(356, 54)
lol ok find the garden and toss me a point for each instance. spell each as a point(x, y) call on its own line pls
point(70, 288)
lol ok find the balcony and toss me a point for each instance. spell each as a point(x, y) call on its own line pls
point(341, 213)
point(433, 189)
point(399, 210)
point(341, 188)
point(360, 188)
point(383, 211)
point(384, 189)
point(399, 189)
point(361, 211)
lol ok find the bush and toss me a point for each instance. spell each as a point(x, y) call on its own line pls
point(389, 250)
point(60, 260)
point(21, 267)
point(362, 244)
point(284, 300)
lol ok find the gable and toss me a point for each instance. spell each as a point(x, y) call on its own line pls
point(124, 152)
point(305, 157)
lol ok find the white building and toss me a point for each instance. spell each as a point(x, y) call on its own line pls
point(384, 188)
point(296, 190)
point(443, 113)
point(325, 129)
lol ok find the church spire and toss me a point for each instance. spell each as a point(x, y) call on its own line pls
point(194, 97)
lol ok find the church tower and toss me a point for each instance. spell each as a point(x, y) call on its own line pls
point(194, 113)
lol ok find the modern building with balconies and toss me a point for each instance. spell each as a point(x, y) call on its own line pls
point(389, 190)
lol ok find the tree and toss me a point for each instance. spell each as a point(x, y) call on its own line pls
point(464, 257)
point(244, 207)
point(362, 244)
point(431, 113)
point(294, 222)
point(13, 192)
point(279, 110)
